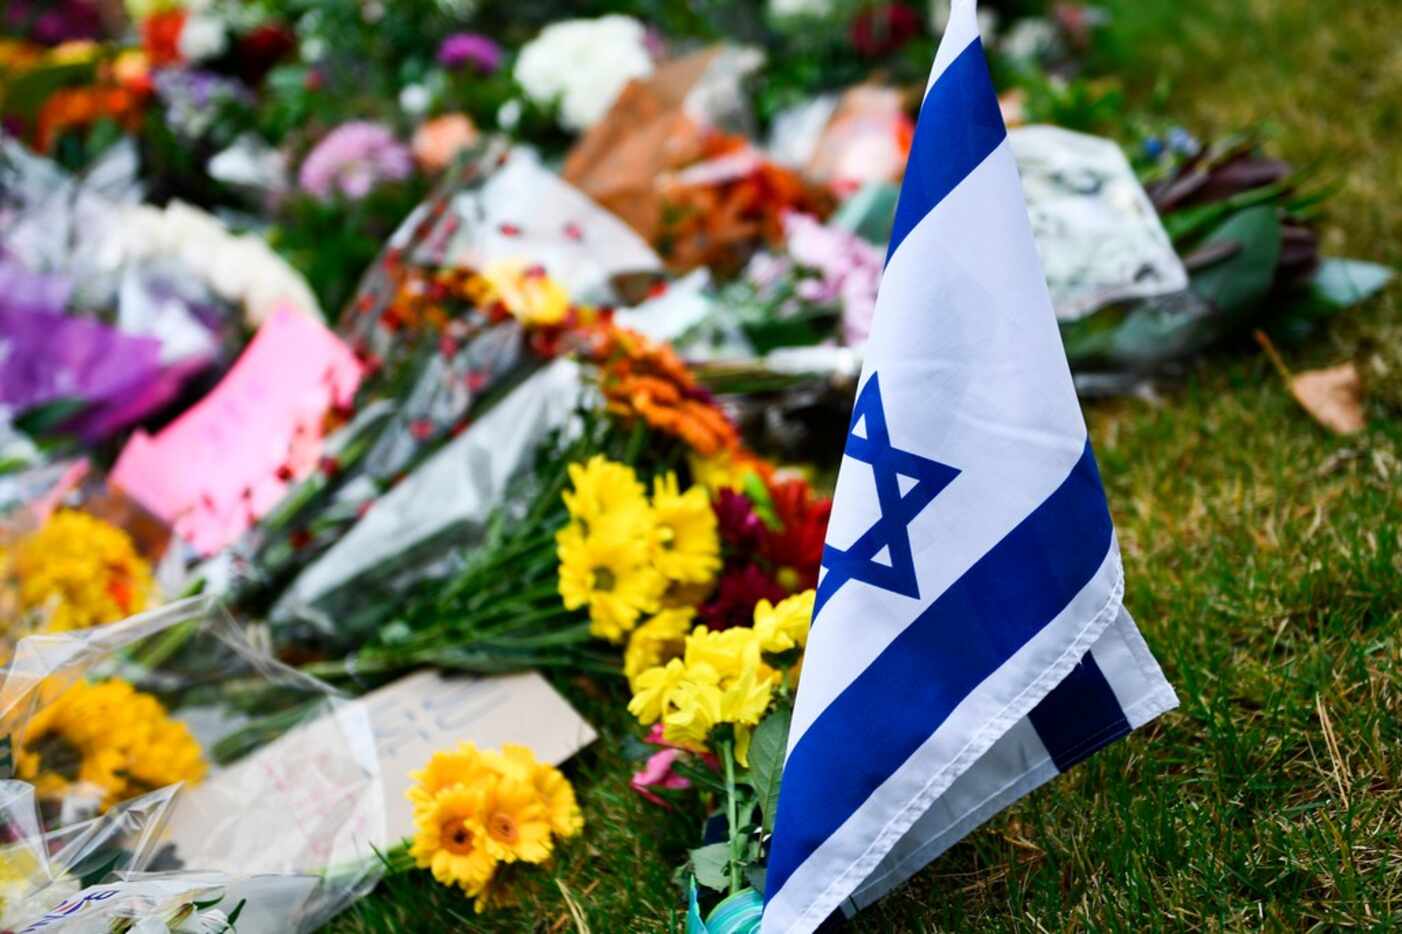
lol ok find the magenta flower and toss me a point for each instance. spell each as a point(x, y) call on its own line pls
point(470, 48)
point(740, 528)
point(352, 159)
point(657, 773)
point(733, 603)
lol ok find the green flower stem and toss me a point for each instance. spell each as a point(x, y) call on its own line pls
point(732, 816)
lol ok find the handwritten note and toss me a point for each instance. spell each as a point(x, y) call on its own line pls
point(307, 800)
point(424, 713)
point(228, 460)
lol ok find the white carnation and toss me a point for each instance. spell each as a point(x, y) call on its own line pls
point(243, 270)
point(203, 37)
point(414, 100)
point(1029, 39)
point(787, 9)
point(583, 63)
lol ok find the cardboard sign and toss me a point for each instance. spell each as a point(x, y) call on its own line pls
point(426, 713)
point(307, 800)
point(228, 460)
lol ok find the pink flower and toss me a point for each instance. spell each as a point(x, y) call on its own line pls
point(352, 159)
point(848, 271)
point(657, 773)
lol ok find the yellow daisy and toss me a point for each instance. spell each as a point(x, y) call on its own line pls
point(451, 841)
point(109, 736)
point(516, 821)
point(608, 575)
point(465, 765)
point(519, 763)
point(566, 819)
point(685, 542)
point(607, 498)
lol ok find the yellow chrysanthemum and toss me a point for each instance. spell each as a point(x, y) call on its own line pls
point(610, 576)
point(79, 571)
point(721, 678)
point(696, 707)
point(729, 651)
point(450, 839)
point(109, 736)
point(653, 690)
point(685, 542)
point(784, 626)
point(606, 498)
point(745, 697)
point(656, 642)
point(526, 291)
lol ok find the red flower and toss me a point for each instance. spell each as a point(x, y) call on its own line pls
point(262, 48)
point(160, 37)
point(881, 30)
point(797, 550)
point(734, 601)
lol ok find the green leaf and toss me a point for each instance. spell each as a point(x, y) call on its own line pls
point(767, 761)
point(711, 866)
point(238, 910)
point(48, 416)
point(1237, 285)
point(94, 868)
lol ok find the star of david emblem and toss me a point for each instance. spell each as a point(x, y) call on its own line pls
point(905, 484)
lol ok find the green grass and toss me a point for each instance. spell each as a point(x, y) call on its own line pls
point(1264, 567)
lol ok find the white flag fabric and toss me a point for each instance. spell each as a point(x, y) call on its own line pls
point(969, 642)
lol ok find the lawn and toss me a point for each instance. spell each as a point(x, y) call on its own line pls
point(1264, 566)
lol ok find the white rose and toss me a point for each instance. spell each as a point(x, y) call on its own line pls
point(584, 63)
point(203, 37)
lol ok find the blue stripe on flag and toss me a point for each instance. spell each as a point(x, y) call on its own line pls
point(910, 689)
point(959, 126)
point(1079, 716)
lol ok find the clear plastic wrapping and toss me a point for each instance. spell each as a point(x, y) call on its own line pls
point(164, 774)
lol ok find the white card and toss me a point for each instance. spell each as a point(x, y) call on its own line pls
point(427, 713)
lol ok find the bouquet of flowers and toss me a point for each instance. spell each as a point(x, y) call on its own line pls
point(138, 788)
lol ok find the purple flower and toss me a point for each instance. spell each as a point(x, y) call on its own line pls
point(469, 48)
point(354, 158)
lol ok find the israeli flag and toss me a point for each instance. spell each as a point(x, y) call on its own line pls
point(969, 642)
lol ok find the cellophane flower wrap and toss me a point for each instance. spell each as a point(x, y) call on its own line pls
point(163, 774)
